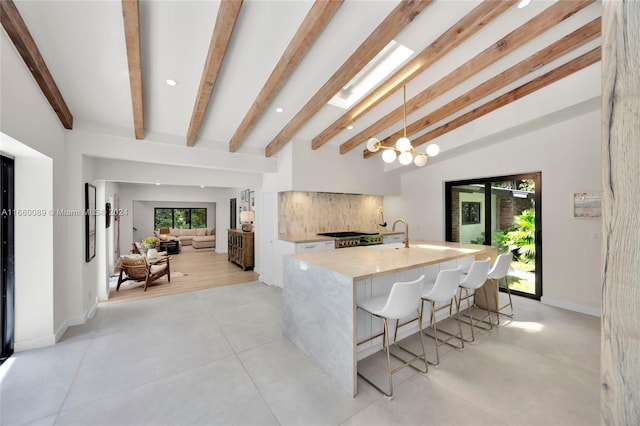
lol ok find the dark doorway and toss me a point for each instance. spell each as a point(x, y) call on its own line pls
point(232, 213)
point(505, 212)
point(7, 257)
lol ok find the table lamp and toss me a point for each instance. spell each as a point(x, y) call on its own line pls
point(247, 218)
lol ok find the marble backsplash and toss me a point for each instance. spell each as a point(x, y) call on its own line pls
point(304, 213)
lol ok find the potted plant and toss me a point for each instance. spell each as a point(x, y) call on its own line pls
point(151, 243)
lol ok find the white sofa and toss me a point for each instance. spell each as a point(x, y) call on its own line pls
point(197, 237)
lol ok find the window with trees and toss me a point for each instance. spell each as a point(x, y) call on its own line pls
point(181, 218)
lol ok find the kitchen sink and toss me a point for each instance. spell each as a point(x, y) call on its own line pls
point(387, 246)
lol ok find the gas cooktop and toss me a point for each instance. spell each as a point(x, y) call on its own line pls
point(346, 234)
point(352, 239)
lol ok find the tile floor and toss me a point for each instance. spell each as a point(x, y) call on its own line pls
point(217, 357)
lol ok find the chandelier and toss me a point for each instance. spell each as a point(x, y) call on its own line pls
point(403, 150)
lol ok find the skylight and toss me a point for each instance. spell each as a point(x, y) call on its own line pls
point(380, 67)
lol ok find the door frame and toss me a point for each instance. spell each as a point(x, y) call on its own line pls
point(7, 257)
point(537, 178)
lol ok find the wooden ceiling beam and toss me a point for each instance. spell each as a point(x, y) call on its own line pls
point(131, 16)
point(566, 44)
point(525, 33)
point(552, 76)
point(19, 34)
point(395, 22)
point(225, 22)
point(313, 24)
point(474, 21)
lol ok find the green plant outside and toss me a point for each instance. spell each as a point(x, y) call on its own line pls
point(518, 239)
point(181, 218)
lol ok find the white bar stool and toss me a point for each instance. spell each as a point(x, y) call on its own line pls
point(443, 295)
point(474, 280)
point(403, 301)
point(499, 271)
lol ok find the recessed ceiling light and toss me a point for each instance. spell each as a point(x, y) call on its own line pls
point(523, 3)
point(201, 186)
point(279, 109)
point(349, 127)
point(172, 82)
point(157, 184)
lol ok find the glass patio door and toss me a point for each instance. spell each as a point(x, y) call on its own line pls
point(503, 212)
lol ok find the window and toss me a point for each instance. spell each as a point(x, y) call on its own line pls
point(380, 67)
point(182, 218)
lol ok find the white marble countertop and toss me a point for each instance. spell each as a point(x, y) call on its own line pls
point(377, 260)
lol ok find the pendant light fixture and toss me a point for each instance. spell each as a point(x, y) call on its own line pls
point(403, 150)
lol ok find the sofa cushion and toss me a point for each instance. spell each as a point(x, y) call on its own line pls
point(188, 232)
point(201, 232)
point(205, 238)
point(208, 241)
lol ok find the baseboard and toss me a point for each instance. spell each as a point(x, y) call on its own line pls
point(81, 319)
point(53, 339)
point(34, 343)
point(61, 330)
point(273, 283)
point(92, 310)
point(583, 309)
point(76, 320)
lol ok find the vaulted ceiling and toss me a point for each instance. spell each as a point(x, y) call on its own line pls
point(235, 62)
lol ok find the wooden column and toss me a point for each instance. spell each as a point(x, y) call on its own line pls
point(620, 348)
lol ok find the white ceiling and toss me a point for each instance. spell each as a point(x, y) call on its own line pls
point(83, 44)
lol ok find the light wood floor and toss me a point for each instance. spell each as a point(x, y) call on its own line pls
point(190, 270)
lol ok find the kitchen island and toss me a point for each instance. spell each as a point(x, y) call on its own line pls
point(321, 290)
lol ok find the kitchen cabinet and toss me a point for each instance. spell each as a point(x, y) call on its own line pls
point(315, 246)
point(240, 248)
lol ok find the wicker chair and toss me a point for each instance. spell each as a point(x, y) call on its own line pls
point(138, 269)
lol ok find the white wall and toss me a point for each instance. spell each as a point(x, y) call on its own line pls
point(142, 172)
point(34, 318)
point(325, 170)
point(83, 297)
point(118, 147)
point(568, 155)
point(41, 293)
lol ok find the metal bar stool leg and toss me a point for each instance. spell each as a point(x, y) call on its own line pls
point(388, 350)
point(510, 304)
point(402, 302)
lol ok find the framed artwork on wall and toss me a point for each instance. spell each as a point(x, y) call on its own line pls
point(470, 213)
point(90, 221)
point(587, 205)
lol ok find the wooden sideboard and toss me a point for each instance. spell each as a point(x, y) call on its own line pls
point(240, 250)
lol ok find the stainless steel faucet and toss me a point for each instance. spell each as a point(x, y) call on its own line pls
point(406, 231)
